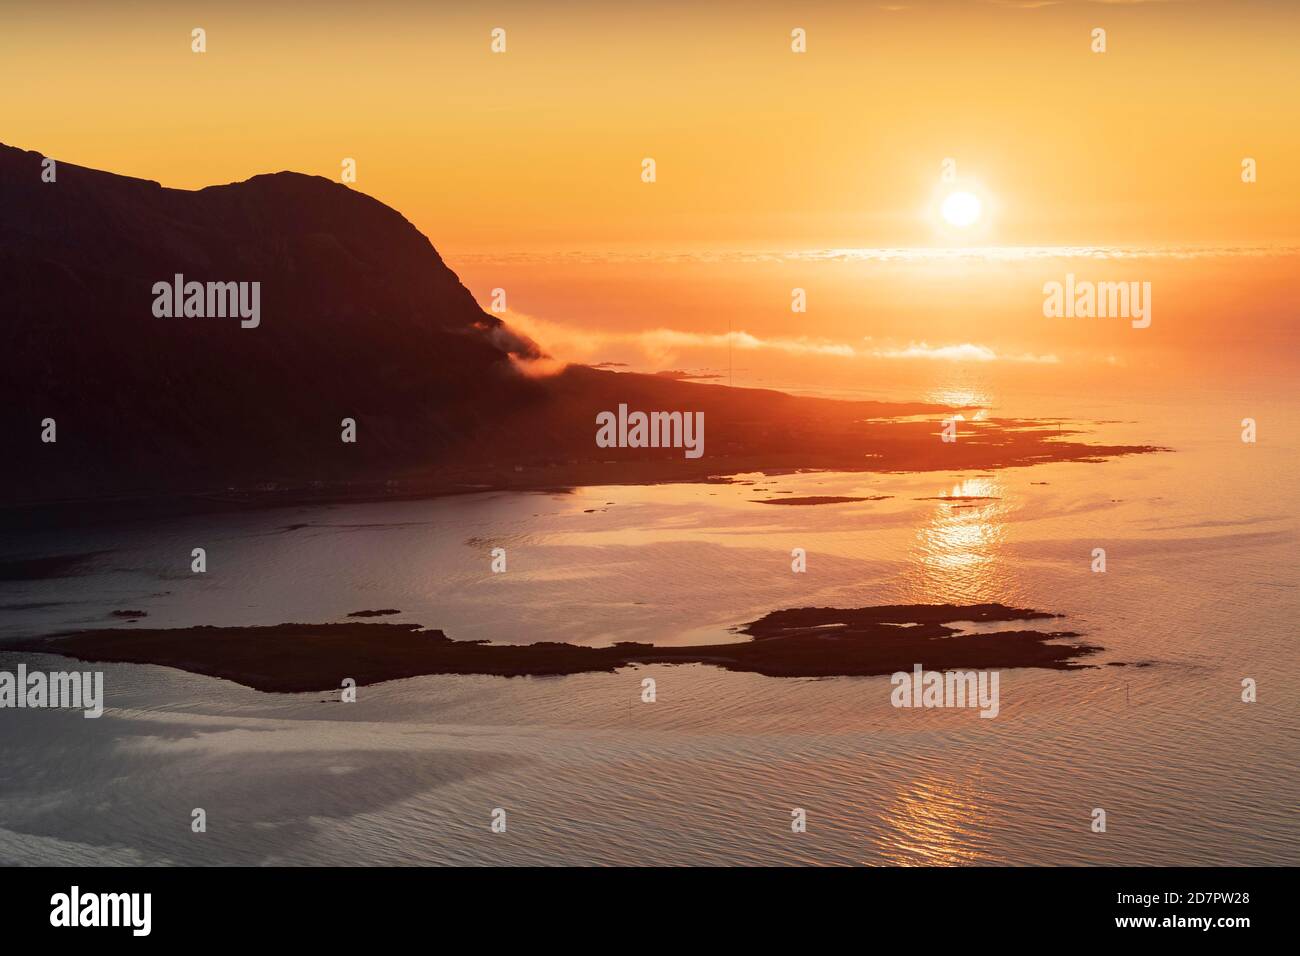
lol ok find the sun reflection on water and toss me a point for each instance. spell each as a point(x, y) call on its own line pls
point(933, 823)
point(959, 396)
point(957, 552)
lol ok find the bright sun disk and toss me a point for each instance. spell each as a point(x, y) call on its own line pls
point(961, 209)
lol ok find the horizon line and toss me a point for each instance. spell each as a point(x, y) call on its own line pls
point(899, 253)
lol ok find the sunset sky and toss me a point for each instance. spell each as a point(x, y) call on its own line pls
point(950, 353)
point(541, 147)
point(524, 167)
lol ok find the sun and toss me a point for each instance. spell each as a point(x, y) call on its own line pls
point(961, 209)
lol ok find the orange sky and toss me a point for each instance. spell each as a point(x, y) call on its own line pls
point(540, 147)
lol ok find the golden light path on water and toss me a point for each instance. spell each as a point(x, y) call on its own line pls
point(957, 550)
point(933, 821)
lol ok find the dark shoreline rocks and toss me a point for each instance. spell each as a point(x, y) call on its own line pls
point(817, 500)
point(800, 642)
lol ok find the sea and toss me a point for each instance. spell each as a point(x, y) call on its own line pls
point(1197, 601)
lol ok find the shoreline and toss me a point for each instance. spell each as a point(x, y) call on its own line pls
point(532, 480)
point(798, 642)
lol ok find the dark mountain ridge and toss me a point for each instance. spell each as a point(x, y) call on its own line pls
point(359, 318)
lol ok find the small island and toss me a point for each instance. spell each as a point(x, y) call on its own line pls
point(799, 642)
point(817, 500)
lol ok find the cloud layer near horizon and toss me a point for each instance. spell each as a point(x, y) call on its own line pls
point(660, 346)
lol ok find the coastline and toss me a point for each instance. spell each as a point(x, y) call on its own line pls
point(1016, 448)
point(799, 642)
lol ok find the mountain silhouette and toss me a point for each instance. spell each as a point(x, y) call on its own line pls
point(359, 319)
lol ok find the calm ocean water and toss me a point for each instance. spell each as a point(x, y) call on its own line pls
point(1201, 585)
